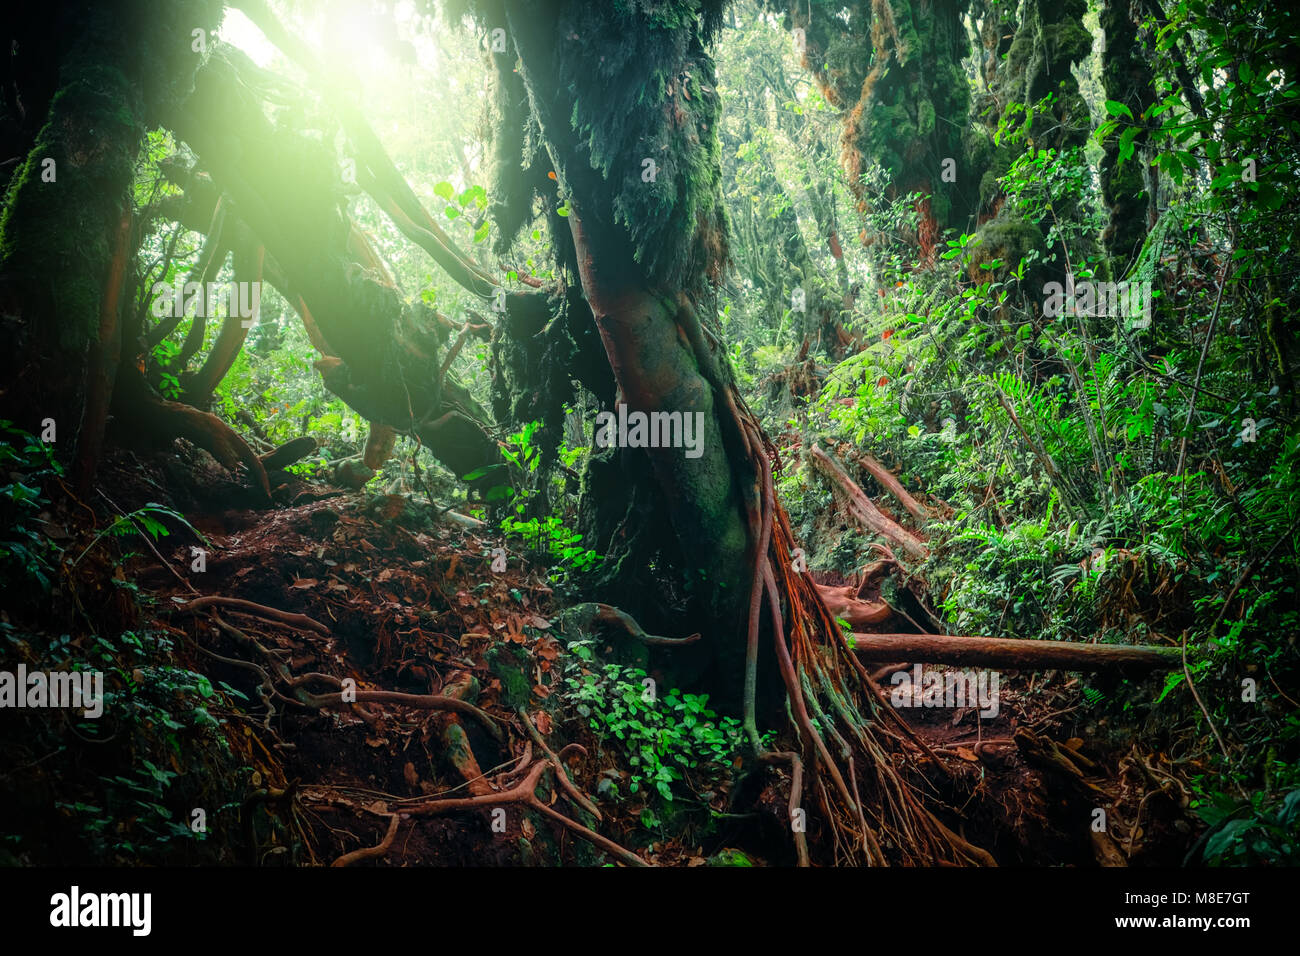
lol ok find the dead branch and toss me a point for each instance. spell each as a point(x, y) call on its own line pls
point(893, 486)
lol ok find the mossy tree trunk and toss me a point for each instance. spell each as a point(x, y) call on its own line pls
point(625, 101)
point(63, 213)
point(894, 69)
point(1126, 184)
point(628, 113)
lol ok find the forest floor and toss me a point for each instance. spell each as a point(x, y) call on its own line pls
point(398, 597)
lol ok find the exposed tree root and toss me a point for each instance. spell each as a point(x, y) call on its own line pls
point(165, 421)
point(843, 603)
point(416, 701)
point(261, 610)
point(455, 742)
point(525, 793)
point(872, 815)
point(561, 776)
point(371, 852)
point(583, 617)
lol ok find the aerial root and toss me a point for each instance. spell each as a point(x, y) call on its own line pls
point(875, 816)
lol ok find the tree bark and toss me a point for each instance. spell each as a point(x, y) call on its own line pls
point(1011, 654)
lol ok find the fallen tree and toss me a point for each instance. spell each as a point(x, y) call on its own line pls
point(1012, 654)
point(863, 509)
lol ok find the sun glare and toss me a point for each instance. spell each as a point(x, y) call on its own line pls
point(237, 30)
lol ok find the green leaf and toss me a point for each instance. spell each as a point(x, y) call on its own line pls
point(1126, 142)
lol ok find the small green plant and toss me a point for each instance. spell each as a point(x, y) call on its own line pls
point(163, 354)
point(1250, 834)
point(141, 521)
point(549, 533)
point(664, 739)
point(26, 553)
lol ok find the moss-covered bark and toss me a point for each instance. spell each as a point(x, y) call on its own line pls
point(894, 67)
point(1034, 104)
point(119, 67)
point(626, 105)
point(1125, 186)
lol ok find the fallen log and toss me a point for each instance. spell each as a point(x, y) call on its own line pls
point(1012, 654)
point(891, 484)
point(864, 509)
point(291, 451)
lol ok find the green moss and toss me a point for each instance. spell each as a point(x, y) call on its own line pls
point(1008, 239)
point(1126, 78)
point(54, 236)
point(730, 857)
point(643, 91)
point(119, 72)
point(904, 95)
point(509, 664)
